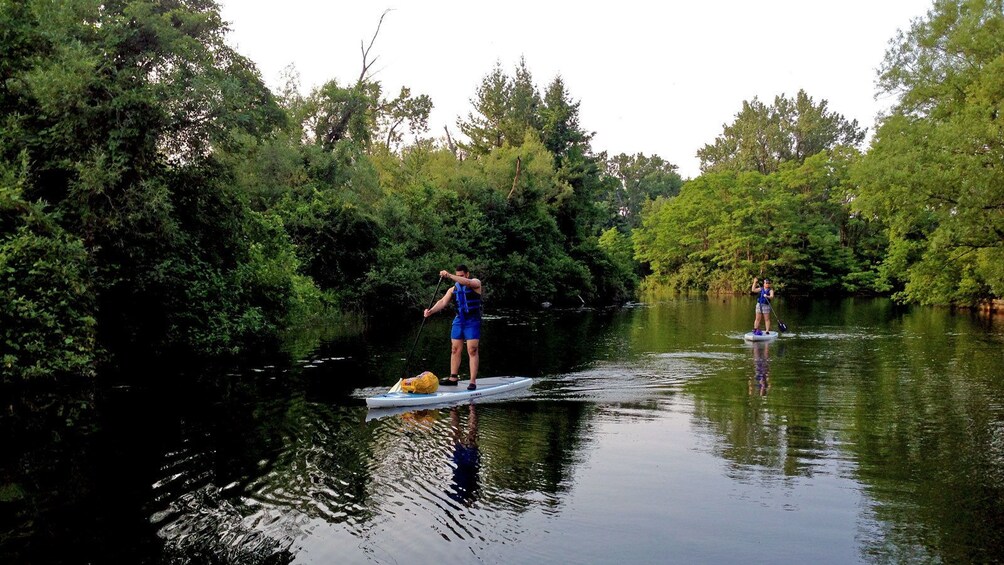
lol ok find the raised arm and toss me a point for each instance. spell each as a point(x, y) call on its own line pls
point(756, 285)
point(474, 284)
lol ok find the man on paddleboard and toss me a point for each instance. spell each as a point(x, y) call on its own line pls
point(466, 293)
point(766, 294)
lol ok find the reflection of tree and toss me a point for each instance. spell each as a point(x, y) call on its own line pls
point(915, 403)
point(45, 468)
point(555, 342)
point(928, 439)
point(427, 465)
point(540, 445)
point(206, 528)
point(779, 435)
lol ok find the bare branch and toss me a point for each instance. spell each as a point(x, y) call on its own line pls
point(449, 141)
point(366, 49)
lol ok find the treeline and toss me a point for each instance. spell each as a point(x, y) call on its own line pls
point(785, 192)
point(154, 194)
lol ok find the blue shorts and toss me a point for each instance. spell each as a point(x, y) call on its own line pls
point(466, 328)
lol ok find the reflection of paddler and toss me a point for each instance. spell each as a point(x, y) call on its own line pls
point(761, 364)
point(466, 457)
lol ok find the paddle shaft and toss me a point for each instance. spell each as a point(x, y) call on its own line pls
point(407, 361)
point(780, 324)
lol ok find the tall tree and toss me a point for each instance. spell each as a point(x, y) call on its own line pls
point(640, 179)
point(402, 112)
point(505, 109)
point(762, 137)
point(559, 122)
point(934, 172)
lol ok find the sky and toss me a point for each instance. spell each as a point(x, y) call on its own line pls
point(657, 78)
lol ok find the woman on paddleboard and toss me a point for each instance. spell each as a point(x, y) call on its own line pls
point(766, 294)
point(466, 292)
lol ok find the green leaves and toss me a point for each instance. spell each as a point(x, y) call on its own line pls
point(763, 137)
point(933, 169)
point(47, 322)
point(793, 225)
point(639, 179)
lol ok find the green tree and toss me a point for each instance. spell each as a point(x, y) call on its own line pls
point(559, 122)
point(640, 179)
point(933, 171)
point(403, 111)
point(762, 137)
point(505, 109)
point(47, 322)
point(120, 110)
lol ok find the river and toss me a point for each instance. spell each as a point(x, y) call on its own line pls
point(867, 433)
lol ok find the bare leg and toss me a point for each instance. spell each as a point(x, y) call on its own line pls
point(456, 346)
point(472, 354)
point(766, 322)
point(756, 322)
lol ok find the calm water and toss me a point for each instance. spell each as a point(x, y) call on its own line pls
point(652, 434)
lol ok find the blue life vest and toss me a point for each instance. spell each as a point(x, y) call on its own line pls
point(468, 301)
point(764, 296)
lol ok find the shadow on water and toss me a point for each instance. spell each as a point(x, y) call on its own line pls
point(873, 433)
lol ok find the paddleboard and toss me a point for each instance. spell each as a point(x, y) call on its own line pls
point(750, 336)
point(487, 386)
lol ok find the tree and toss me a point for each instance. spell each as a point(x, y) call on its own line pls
point(118, 112)
point(47, 322)
point(640, 179)
point(762, 137)
point(933, 171)
point(505, 109)
point(559, 122)
point(401, 111)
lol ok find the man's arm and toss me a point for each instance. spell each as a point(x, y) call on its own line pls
point(440, 304)
point(474, 284)
point(756, 285)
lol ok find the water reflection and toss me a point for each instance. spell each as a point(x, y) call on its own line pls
point(466, 456)
point(760, 381)
point(876, 435)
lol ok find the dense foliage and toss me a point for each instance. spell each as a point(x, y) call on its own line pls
point(935, 173)
point(774, 200)
point(793, 225)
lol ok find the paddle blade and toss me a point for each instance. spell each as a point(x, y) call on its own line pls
point(783, 326)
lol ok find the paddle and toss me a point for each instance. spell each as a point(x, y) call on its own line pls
point(780, 325)
point(407, 360)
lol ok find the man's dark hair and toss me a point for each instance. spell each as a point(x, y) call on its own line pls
point(462, 267)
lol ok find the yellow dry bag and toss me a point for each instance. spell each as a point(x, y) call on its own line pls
point(426, 383)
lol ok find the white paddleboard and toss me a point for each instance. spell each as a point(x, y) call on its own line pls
point(750, 336)
point(487, 386)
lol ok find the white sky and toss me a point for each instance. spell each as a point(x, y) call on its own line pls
point(652, 77)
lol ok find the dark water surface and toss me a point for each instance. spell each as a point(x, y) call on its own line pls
point(652, 434)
